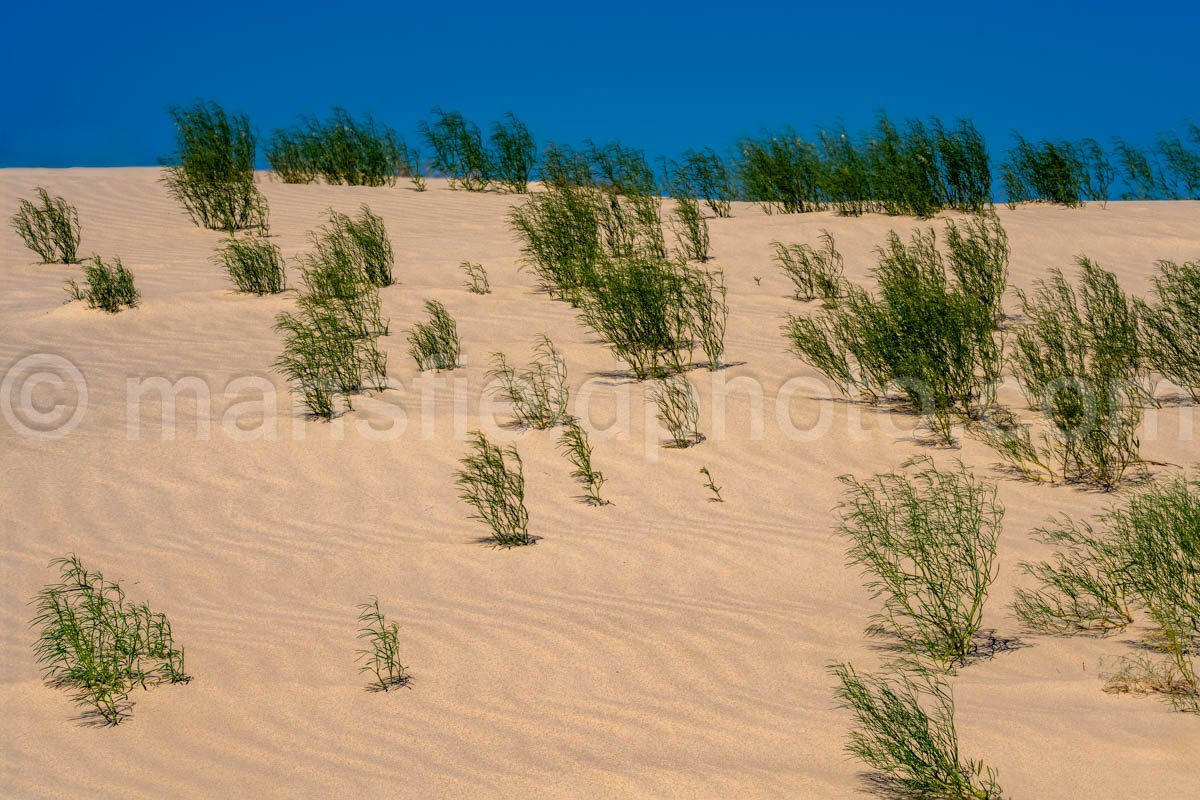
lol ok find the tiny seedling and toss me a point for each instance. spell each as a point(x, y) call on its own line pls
point(50, 229)
point(382, 657)
point(711, 485)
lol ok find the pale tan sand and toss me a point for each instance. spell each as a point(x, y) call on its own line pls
point(662, 646)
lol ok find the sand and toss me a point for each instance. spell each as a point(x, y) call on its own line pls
point(663, 646)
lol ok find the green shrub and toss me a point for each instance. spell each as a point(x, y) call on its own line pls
point(51, 230)
point(1078, 359)
point(383, 658)
point(339, 150)
point(434, 344)
point(254, 264)
point(709, 312)
point(477, 279)
point(705, 176)
point(493, 483)
point(538, 394)
point(100, 646)
point(678, 409)
point(1138, 174)
point(109, 286)
point(367, 237)
point(410, 165)
point(212, 174)
point(691, 230)
point(978, 254)
point(815, 273)
point(1146, 558)
point(927, 542)
point(575, 446)
point(1052, 172)
point(1181, 164)
point(514, 154)
point(1171, 325)
point(561, 239)
point(458, 150)
point(905, 730)
point(782, 174)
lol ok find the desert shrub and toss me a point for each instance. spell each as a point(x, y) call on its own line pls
point(99, 645)
point(966, 178)
point(561, 239)
point(50, 229)
point(339, 150)
point(705, 176)
point(690, 229)
point(815, 273)
point(381, 657)
point(709, 312)
point(1181, 164)
point(574, 444)
point(904, 728)
point(905, 178)
point(640, 308)
point(1171, 325)
point(410, 165)
point(1138, 174)
point(514, 154)
point(1078, 359)
point(1098, 171)
point(1046, 171)
point(367, 237)
point(978, 254)
point(458, 150)
point(434, 344)
point(538, 394)
point(711, 485)
point(1146, 558)
point(337, 273)
point(927, 543)
point(212, 174)
point(254, 264)
point(493, 483)
point(108, 286)
point(925, 333)
point(781, 173)
point(477, 279)
point(678, 409)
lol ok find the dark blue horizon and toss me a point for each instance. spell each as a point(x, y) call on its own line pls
point(95, 81)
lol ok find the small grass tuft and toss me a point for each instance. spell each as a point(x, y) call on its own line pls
point(477, 278)
point(493, 483)
point(50, 229)
point(538, 394)
point(815, 273)
point(434, 344)
point(254, 264)
point(678, 409)
point(575, 446)
point(382, 659)
point(109, 286)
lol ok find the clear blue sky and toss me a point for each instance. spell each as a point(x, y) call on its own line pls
point(87, 83)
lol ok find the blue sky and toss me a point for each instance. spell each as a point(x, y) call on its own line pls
point(87, 83)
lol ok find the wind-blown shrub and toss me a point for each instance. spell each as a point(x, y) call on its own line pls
point(434, 344)
point(709, 312)
point(678, 409)
point(979, 254)
point(1060, 172)
point(1078, 359)
point(383, 658)
point(705, 176)
point(410, 165)
point(99, 645)
point(1171, 325)
point(477, 279)
point(339, 150)
point(212, 174)
point(1146, 558)
point(905, 729)
point(538, 394)
point(927, 544)
point(368, 239)
point(561, 239)
point(493, 483)
point(1141, 178)
point(574, 444)
point(1181, 164)
point(51, 230)
point(458, 150)
point(691, 230)
point(782, 174)
point(109, 287)
point(514, 154)
point(815, 273)
point(254, 264)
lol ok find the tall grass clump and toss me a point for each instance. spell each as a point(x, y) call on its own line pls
point(709, 310)
point(366, 238)
point(1145, 559)
point(459, 153)
point(815, 273)
point(1079, 360)
point(678, 409)
point(574, 444)
point(904, 728)
point(100, 646)
point(212, 173)
point(381, 656)
point(539, 393)
point(434, 343)
point(1171, 325)
point(50, 229)
point(338, 150)
point(691, 231)
point(1060, 172)
point(927, 543)
point(704, 175)
point(514, 154)
point(561, 237)
point(108, 286)
point(493, 483)
point(929, 332)
point(781, 173)
point(254, 264)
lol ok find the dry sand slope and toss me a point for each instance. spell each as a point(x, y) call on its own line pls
point(663, 646)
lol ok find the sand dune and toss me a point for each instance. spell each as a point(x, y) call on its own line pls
point(663, 646)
